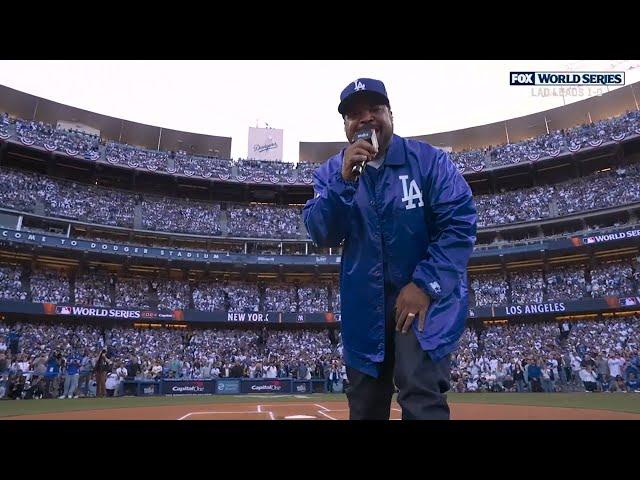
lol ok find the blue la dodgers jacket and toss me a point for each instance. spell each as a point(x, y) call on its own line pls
point(414, 220)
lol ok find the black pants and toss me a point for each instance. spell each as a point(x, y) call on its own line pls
point(421, 382)
point(567, 372)
point(536, 386)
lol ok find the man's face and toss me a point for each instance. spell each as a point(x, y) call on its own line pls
point(368, 112)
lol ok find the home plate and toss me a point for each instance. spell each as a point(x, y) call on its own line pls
point(299, 417)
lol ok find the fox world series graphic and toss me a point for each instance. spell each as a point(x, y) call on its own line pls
point(566, 79)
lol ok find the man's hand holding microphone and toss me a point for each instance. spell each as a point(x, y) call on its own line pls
point(363, 149)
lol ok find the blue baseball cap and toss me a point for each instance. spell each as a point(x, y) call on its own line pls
point(361, 87)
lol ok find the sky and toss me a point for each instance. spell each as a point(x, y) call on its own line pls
point(225, 98)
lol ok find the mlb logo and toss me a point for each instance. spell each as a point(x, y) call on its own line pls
point(65, 310)
point(589, 240)
point(435, 286)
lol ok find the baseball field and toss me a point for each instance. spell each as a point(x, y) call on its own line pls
point(505, 406)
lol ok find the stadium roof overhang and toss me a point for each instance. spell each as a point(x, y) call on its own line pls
point(30, 107)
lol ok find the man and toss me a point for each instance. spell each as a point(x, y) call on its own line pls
point(602, 369)
point(122, 373)
point(565, 330)
point(111, 383)
point(534, 376)
point(588, 377)
point(102, 367)
point(302, 370)
point(548, 378)
point(566, 367)
point(86, 370)
point(332, 377)
point(14, 340)
point(72, 375)
point(236, 371)
point(615, 364)
point(133, 368)
point(408, 224)
point(51, 374)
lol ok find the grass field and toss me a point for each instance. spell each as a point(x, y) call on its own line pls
point(619, 402)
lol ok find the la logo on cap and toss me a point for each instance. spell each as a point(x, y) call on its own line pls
point(358, 85)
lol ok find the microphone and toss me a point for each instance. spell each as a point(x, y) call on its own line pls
point(368, 134)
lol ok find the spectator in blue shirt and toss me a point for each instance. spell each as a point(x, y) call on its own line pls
point(534, 374)
point(52, 373)
point(72, 376)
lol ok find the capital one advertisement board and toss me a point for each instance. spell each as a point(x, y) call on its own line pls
point(272, 385)
point(187, 387)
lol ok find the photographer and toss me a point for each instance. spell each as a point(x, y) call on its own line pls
point(101, 368)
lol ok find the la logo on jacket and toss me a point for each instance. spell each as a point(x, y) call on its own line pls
point(411, 193)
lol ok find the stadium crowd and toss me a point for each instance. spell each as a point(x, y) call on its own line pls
point(551, 144)
point(549, 357)
point(264, 221)
point(543, 357)
point(559, 283)
point(24, 191)
point(572, 282)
